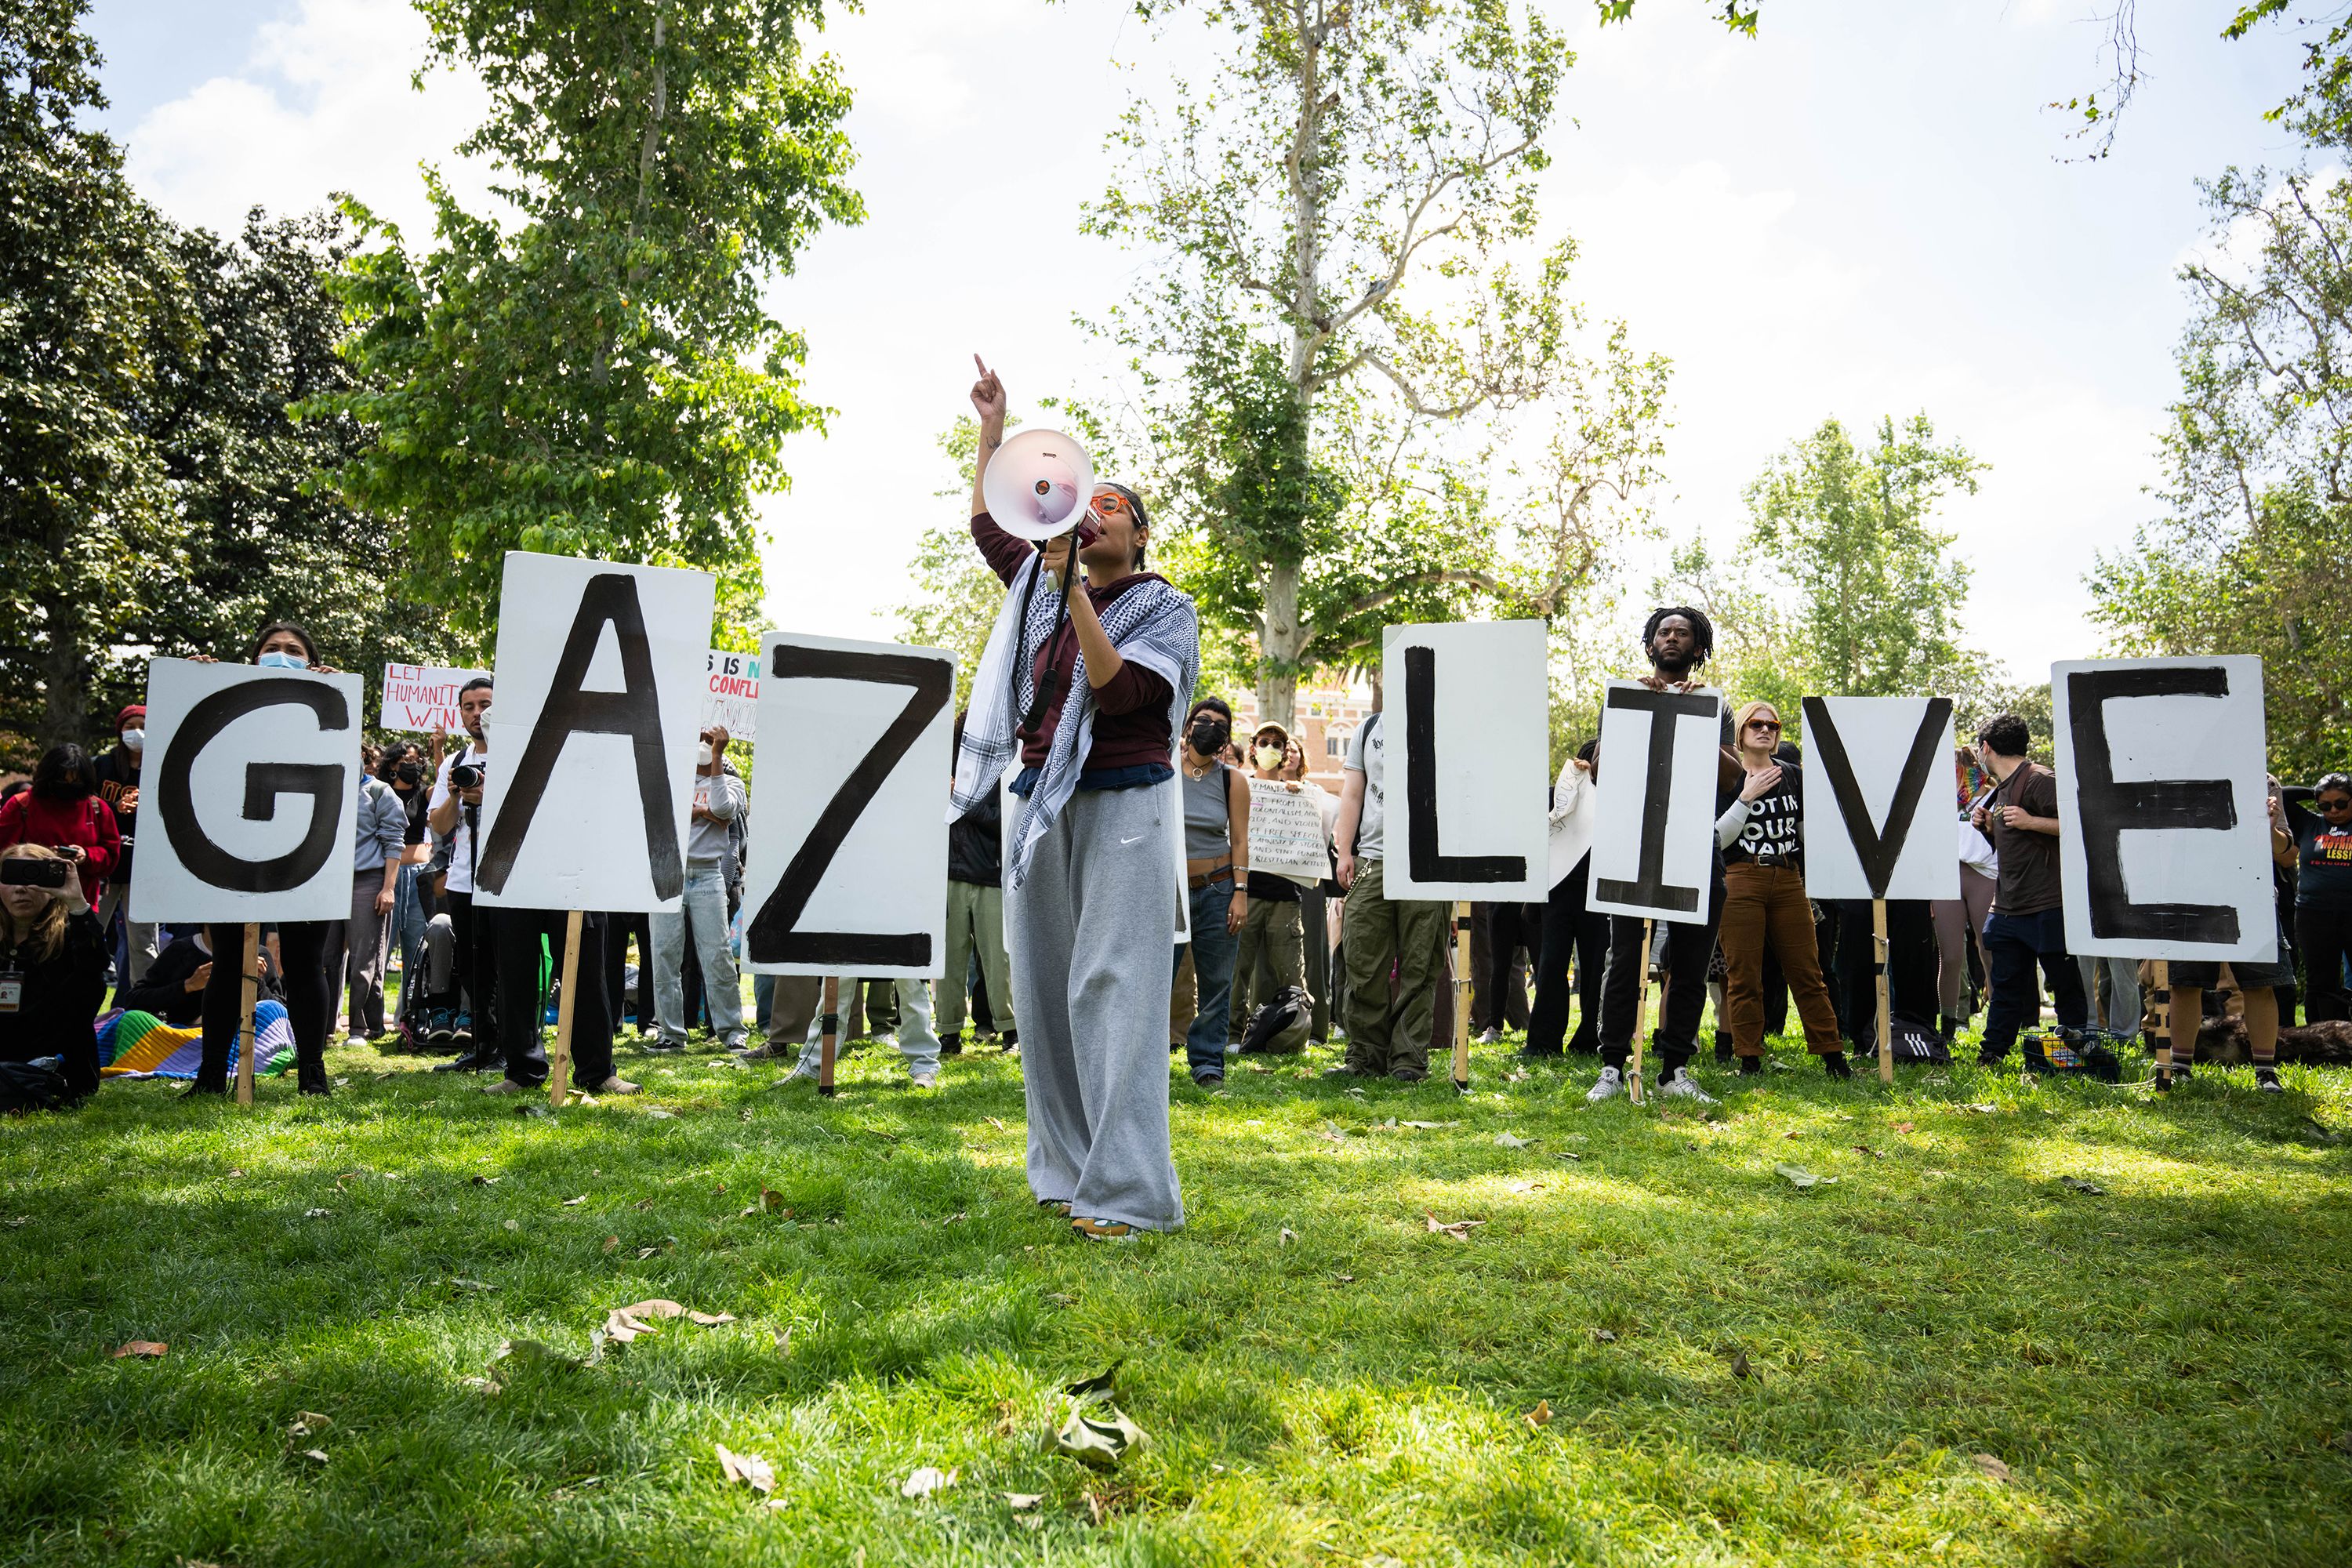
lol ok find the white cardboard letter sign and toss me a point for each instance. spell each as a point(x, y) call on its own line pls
point(1654, 811)
point(849, 857)
point(421, 698)
point(1877, 815)
point(2163, 808)
point(1469, 739)
point(248, 792)
point(592, 735)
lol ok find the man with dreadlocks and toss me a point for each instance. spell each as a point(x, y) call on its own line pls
point(1088, 700)
point(1678, 640)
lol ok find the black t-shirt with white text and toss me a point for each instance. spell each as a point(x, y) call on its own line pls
point(1769, 837)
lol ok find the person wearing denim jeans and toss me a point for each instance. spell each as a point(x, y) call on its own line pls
point(719, 799)
point(918, 1042)
point(1216, 836)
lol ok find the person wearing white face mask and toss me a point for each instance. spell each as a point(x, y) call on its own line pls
point(719, 800)
point(1271, 955)
point(118, 785)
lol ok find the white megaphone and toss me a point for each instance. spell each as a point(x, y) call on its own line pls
point(1039, 485)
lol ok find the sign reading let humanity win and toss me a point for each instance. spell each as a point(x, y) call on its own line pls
point(250, 780)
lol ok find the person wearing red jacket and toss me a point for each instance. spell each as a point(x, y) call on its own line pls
point(62, 810)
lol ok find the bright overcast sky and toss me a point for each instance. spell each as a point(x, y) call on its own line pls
point(1860, 212)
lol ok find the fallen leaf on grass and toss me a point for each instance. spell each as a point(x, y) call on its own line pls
point(236, 1173)
point(1096, 1432)
point(992, 1121)
point(318, 1213)
point(643, 1204)
point(307, 1422)
point(1526, 1186)
point(533, 1110)
point(771, 1199)
point(610, 1243)
point(926, 1480)
point(1540, 1415)
point(658, 1114)
point(783, 1341)
point(746, 1469)
point(1991, 1467)
point(1458, 1229)
point(1518, 1076)
point(1605, 1336)
point(1739, 1367)
point(1983, 1107)
point(318, 1454)
point(2077, 1184)
point(1568, 1156)
point(645, 1252)
point(1343, 1279)
point(1788, 1135)
point(1511, 1140)
point(575, 1203)
point(459, 1282)
point(625, 1324)
point(1867, 1149)
point(514, 1225)
point(1800, 1178)
point(1903, 1126)
point(1430, 1126)
point(150, 1349)
point(1286, 1237)
point(1022, 1502)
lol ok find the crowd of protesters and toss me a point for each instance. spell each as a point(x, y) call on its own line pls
point(1273, 963)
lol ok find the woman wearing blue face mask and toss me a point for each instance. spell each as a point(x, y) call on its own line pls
point(301, 944)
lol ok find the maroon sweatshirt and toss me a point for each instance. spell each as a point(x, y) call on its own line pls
point(1131, 709)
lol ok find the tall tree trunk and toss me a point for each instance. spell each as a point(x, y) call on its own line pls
point(1280, 649)
point(65, 671)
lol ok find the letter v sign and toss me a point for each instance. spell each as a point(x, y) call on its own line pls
point(1877, 847)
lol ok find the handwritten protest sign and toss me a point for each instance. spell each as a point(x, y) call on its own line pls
point(1285, 831)
point(732, 695)
point(423, 698)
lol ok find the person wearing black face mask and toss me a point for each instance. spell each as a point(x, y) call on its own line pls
point(1216, 845)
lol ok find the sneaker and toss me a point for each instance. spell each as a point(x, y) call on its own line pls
point(924, 1079)
point(1209, 1080)
point(664, 1044)
point(1612, 1085)
point(471, 1062)
point(2266, 1081)
point(1103, 1229)
point(1751, 1066)
point(353, 1042)
point(461, 1027)
point(1408, 1075)
point(771, 1052)
point(1834, 1064)
point(617, 1084)
point(1682, 1086)
point(1989, 1057)
point(1009, 1039)
point(506, 1086)
point(1488, 1035)
point(737, 1043)
point(953, 1044)
point(437, 1027)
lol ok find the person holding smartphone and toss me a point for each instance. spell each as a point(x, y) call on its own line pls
point(52, 966)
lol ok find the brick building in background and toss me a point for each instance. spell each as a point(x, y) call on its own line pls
point(1328, 707)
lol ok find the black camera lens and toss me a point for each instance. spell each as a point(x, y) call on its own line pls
point(465, 776)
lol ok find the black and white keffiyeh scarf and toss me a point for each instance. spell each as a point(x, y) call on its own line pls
point(1152, 624)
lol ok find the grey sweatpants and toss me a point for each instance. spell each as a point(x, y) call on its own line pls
point(1091, 927)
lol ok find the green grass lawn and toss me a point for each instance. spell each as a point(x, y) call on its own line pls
point(1943, 1355)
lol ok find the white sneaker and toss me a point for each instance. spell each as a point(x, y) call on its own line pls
point(1612, 1085)
point(1490, 1036)
point(1682, 1086)
point(925, 1080)
point(353, 1042)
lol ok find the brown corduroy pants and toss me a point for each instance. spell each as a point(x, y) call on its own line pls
point(1765, 904)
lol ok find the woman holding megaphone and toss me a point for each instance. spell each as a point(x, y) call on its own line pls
point(1085, 689)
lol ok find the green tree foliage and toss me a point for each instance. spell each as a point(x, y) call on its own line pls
point(1351, 292)
point(88, 293)
point(1876, 589)
point(2255, 554)
point(598, 375)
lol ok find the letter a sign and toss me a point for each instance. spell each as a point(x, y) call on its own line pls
point(593, 734)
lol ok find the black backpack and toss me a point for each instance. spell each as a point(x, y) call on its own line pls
point(33, 1086)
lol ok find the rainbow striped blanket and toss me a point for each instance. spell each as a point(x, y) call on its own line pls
point(139, 1045)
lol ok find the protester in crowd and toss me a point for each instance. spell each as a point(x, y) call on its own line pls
point(2111, 993)
point(1499, 931)
point(917, 1041)
point(403, 770)
point(1958, 922)
point(62, 810)
point(719, 799)
point(301, 944)
point(1570, 931)
point(1385, 1035)
point(1315, 901)
point(116, 770)
point(1761, 835)
point(2322, 896)
point(355, 946)
point(1678, 640)
point(453, 812)
point(1085, 688)
point(975, 915)
point(173, 987)
point(2028, 924)
point(2259, 982)
point(1269, 952)
point(1217, 870)
point(52, 972)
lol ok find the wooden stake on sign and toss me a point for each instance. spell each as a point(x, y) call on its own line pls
point(1641, 1021)
point(249, 990)
point(1885, 1021)
point(559, 1061)
point(2164, 1034)
point(829, 1023)
point(1462, 996)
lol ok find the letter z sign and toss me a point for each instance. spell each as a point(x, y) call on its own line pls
point(849, 851)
